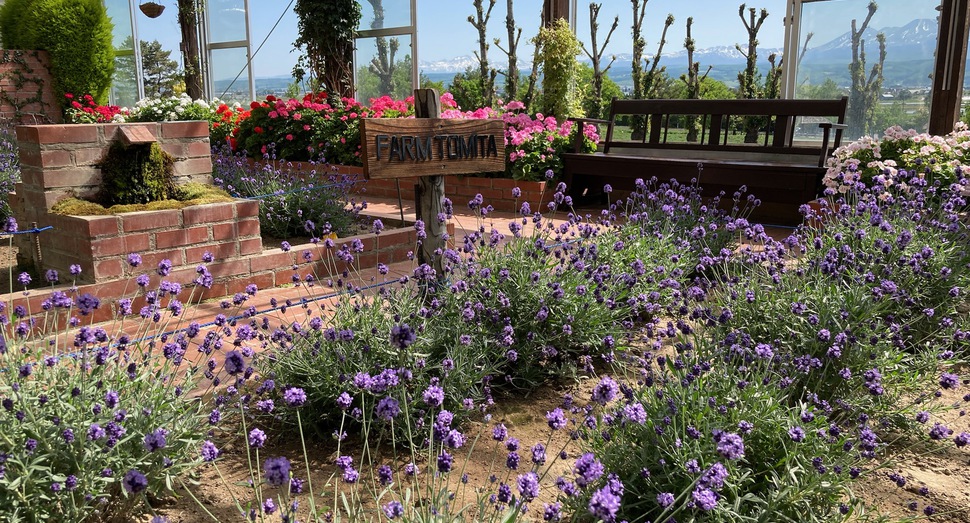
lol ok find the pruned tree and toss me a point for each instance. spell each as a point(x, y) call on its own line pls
point(188, 18)
point(383, 65)
point(480, 23)
point(645, 84)
point(748, 82)
point(512, 73)
point(872, 87)
point(327, 29)
point(596, 57)
point(773, 80)
point(859, 92)
point(692, 82)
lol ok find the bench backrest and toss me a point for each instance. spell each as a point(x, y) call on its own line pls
point(778, 119)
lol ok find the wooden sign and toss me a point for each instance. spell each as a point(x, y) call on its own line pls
point(408, 147)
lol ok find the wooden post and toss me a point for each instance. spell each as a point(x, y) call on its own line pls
point(951, 59)
point(429, 192)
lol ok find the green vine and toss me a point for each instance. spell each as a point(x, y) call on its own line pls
point(559, 67)
point(20, 74)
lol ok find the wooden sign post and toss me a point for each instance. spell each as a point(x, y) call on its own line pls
point(428, 147)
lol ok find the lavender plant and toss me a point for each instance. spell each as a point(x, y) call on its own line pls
point(95, 419)
point(290, 198)
point(9, 166)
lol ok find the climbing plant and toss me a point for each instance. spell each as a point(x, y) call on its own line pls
point(559, 67)
point(327, 29)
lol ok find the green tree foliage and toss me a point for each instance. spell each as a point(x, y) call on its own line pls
point(559, 49)
point(160, 71)
point(827, 90)
point(590, 103)
point(397, 84)
point(76, 34)
point(467, 89)
point(327, 30)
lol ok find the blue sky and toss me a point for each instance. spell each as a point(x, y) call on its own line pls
point(444, 32)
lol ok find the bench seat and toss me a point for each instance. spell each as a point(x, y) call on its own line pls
point(781, 172)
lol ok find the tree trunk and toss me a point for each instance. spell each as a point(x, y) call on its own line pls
point(188, 18)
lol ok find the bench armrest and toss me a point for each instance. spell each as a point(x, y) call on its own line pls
point(578, 141)
point(836, 142)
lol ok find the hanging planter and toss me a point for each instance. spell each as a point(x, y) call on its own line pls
point(151, 9)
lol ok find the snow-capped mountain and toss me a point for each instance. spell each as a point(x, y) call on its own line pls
point(913, 41)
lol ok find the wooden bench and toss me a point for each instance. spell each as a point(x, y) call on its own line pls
point(779, 170)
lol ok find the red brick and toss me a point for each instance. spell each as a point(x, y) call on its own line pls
point(67, 133)
point(250, 246)
point(367, 260)
point(211, 213)
point(175, 149)
point(87, 156)
point(247, 208)
point(111, 130)
point(120, 245)
point(220, 251)
point(229, 268)
point(55, 158)
point(72, 177)
point(193, 166)
point(181, 237)
point(145, 220)
point(197, 148)
point(271, 260)
point(504, 183)
point(491, 195)
point(262, 281)
point(152, 259)
point(27, 134)
point(191, 129)
point(245, 228)
point(98, 225)
point(223, 231)
point(109, 269)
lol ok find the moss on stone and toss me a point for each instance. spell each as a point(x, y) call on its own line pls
point(192, 193)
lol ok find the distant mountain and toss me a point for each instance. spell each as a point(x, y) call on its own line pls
point(913, 41)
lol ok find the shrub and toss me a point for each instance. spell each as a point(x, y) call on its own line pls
point(76, 33)
point(559, 48)
point(136, 173)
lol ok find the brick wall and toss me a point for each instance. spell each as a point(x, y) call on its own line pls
point(26, 88)
point(496, 192)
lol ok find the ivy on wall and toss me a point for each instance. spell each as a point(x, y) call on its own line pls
point(17, 72)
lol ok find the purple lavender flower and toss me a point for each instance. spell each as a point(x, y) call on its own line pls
point(277, 470)
point(393, 509)
point(499, 433)
point(706, 499)
point(209, 451)
point(433, 396)
point(731, 446)
point(587, 469)
point(796, 434)
point(155, 440)
point(528, 486)
point(665, 499)
point(604, 505)
point(135, 482)
point(234, 362)
point(294, 396)
point(444, 462)
point(134, 259)
point(164, 267)
point(552, 512)
point(385, 475)
point(949, 381)
point(556, 419)
point(605, 390)
point(388, 408)
point(402, 336)
point(257, 438)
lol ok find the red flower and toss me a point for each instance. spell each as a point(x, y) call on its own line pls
point(258, 130)
point(254, 105)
